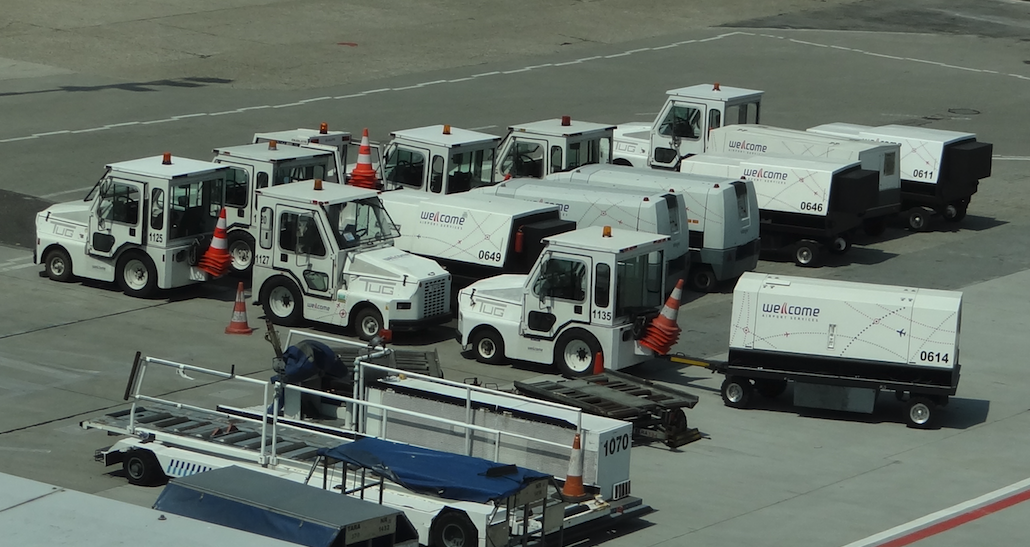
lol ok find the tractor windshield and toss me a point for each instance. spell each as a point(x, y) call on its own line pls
point(364, 221)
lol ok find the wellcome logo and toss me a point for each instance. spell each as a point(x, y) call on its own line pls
point(794, 312)
point(443, 218)
point(748, 147)
point(764, 174)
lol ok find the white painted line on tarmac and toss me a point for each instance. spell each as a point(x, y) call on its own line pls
point(19, 449)
point(529, 68)
point(1011, 158)
point(949, 518)
point(76, 190)
point(5, 269)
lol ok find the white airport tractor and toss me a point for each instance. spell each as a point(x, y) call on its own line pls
point(940, 170)
point(325, 253)
point(807, 205)
point(258, 166)
point(591, 292)
point(144, 225)
point(336, 142)
point(538, 149)
point(840, 343)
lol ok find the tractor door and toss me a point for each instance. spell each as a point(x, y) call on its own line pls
point(557, 294)
point(678, 132)
point(524, 157)
point(303, 248)
point(116, 217)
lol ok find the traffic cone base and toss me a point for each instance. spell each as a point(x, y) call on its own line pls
point(238, 324)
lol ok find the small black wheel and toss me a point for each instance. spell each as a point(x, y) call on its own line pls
point(136, 275)
point(770, 388)
point(241, 250)
point(956, 211)
point(142, 468)
point(452, 529)
point(839, 245)
point(918, 218)
point(367, 323)
point(702, 279)
point(488, 346)
point(575, 352)
point(282, 302)
point(875, 227)
point(58, 265)
point(922, 413)
point(736, 391)
point(806, 253)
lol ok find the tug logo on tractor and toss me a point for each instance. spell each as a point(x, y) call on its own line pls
point(745, 146)
point(443, 218)
point(791, 310)
point(765, 174)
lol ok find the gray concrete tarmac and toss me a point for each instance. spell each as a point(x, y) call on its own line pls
point(80, 89)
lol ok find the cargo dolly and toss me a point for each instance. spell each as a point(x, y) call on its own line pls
point(655, 411)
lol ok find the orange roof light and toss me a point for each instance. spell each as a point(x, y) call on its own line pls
point(318, 184)
point(447, 129)
point(323, 128)
point(273, 145)
point(566, 121)
point(166, 159)
point(606, 231)
point(715, 87)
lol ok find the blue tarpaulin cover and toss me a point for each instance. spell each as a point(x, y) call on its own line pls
point(425, 471)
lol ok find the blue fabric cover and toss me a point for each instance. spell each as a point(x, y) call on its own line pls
point(425, 471)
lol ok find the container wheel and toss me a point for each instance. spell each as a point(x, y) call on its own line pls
point(922, 413)
point(955, 211)
point(736, 391)
point(488, 346)
point(702, 279)
point(142, 468)
point(918, 218)
point(806, 253)
point(452, 529)
point(840, 245)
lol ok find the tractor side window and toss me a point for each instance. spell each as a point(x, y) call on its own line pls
point(405, 167)
point(300, 234)
point(470, 170)
point(157, 209)
point(602, 285)
point(588, 152)
point(262, 180)
point(556, 163)
point(237, 186)
point(742, 113)
point(285, 173)
point(194, 207)
point(524, 159)
point(714, 119)
point(265, 231)
point(682, 121)
point(562, 278)
point(119, 203)
point(436, 176)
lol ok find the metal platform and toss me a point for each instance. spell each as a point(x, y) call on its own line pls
point(655, 411)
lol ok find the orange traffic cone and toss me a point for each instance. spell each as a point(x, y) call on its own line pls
point(216, 259)
point(663, 331)
point(363, 175)
point(238, 324)
point(598, 363)
point(573, 488)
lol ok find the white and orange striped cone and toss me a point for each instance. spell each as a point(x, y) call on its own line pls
point(363, 175)
point(664, 331)
point(238, 324)
point(573, 489)
point(216, 259)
